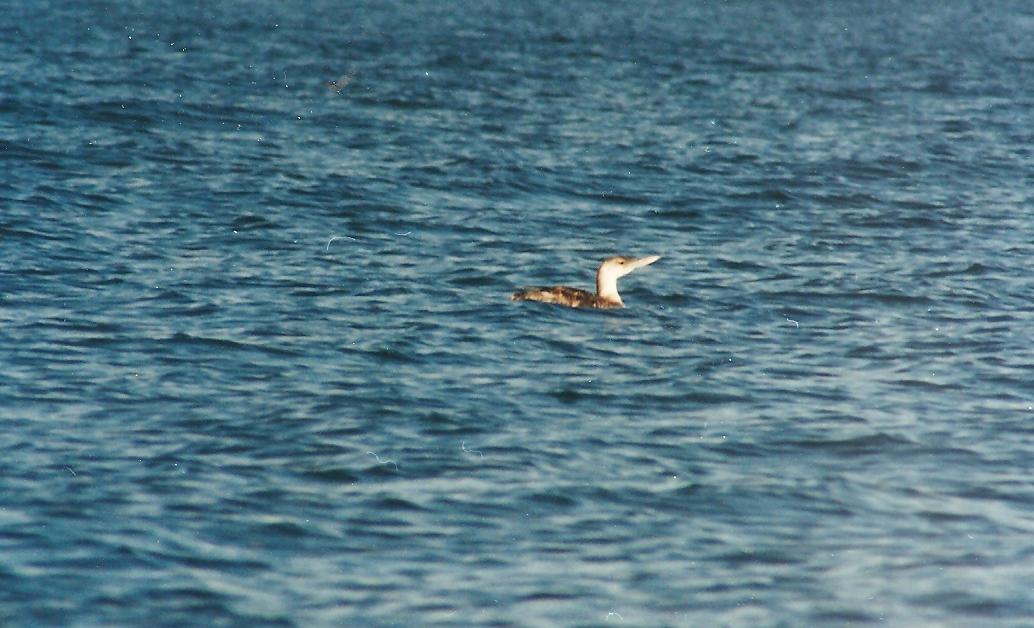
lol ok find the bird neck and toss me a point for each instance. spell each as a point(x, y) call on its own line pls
point(607, 287)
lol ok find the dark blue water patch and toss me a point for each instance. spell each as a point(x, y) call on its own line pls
point(252, 223)
point(875, 444)
point(926, 385)
point(12, 229)
point(19, 155)
point(442, 424)
point(132, 116)
point(973, 269)
point(333, 476)
point(182, 602)
point(839, 617)
point(766, 556)
point(180, 340)
point(191, 309)
point(976, 606)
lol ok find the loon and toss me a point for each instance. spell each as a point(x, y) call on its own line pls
point(342, 82)
point(612, 269)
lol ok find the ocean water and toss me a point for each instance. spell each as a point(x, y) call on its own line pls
point(258, 366)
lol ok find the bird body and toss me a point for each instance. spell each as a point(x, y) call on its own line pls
point(612, 269)
point(342, 82)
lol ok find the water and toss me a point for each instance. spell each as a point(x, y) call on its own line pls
point(259, 367)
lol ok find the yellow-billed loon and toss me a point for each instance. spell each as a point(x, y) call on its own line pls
point(612, 269)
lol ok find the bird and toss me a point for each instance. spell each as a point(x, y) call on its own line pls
point(342, 82)
point(606, 296)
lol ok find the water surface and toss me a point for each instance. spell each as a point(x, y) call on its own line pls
point(259, 366)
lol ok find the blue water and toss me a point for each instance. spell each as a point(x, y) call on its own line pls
point(258, 366)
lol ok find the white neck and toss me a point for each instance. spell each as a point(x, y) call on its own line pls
point(607, 286)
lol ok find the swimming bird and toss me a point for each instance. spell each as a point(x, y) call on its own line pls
point(342, 82)
point(612, 269)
